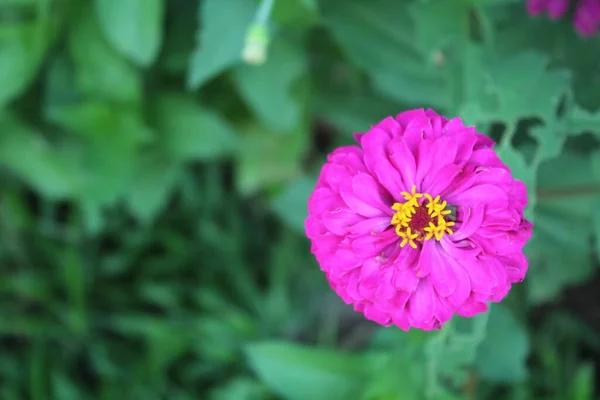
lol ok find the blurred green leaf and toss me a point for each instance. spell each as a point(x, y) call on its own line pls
point(354, 111)
point(582, 387)
point(27, 153)
point(64, 388)
point(566, 203)
point(517, 87)
point(100, 71)
point(451, 351)
point(300, 13)
point(266, 157)
point(520, 170)
point(268, 88)
point(220, 40)
point(302, 373)
point(38, 364)
point(240, 388)
point(190, 132)
point(439, 24)
point(556, 39)
point(580, 120)
point(105, 155)
point(22, 48)
point(61, 87)
point(134, 27)
point(378, 36)
point(151, 185)
point(291, 203)
point(179, 41)
point(502, 356)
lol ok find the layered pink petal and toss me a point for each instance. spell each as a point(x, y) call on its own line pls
point(354, 241)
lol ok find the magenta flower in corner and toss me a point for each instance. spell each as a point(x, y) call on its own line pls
point(418, 222)
point(586, 18)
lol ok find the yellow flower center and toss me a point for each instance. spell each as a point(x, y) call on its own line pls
point(421, 217)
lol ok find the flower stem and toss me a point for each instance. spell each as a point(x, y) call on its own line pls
point(257, 37)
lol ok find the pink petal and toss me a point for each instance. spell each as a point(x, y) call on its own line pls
point(373, 313)
point(493, 197)
point(355, 203)
point(340, 220)
point(472, 308)
point(439, 181)
point(376, 159)
point(427, 258)
point(536, 7)
point(442, 276)
point(366, 188)
point(370, 226)
point(433, 155)
point(333, 175)
point(403, 160)
point(405, 279)
point(557, 8)
point(324, 199)
point(444, 310)
point(400, 319)
point(350, 157)
point(472, 219)
point(463, 284)
point(481, 275)
point(516, 266)
point(369, 272)
point(459, 250)
point(421, 306)
point(386, 289)
point(390, 125)
point(406, 117)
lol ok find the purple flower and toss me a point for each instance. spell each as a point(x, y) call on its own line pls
point(419, 222)
point(586, 18)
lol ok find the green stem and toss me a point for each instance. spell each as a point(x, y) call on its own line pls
point(264, 12)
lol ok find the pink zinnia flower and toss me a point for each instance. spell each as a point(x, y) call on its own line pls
point(587, 17)
point(419, 222)
point(587, 13)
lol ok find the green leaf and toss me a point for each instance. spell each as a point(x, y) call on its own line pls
point(190, 132)
point(354, 111)
point(240, 388)
point(152, 183)
point(105, 153)
point(378, 36)
point(301, 13)
point(267, 88)
point(291, 204)
point(580, 120)
point(520, 170)
point(223, 27)
point(101, 72)
point(582, 387)
point(439, 24)
point(567, 199)
point(64, 387)
point(517, 87)
point(266, 157)
point(26, 153)
point(22, 47)
point(502, 356)
point(558, 40)
point(303, 373)
point(450, 351)
point(179, 39)
point(133, 27)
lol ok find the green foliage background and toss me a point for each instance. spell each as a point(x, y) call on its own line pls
point(154, 186)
